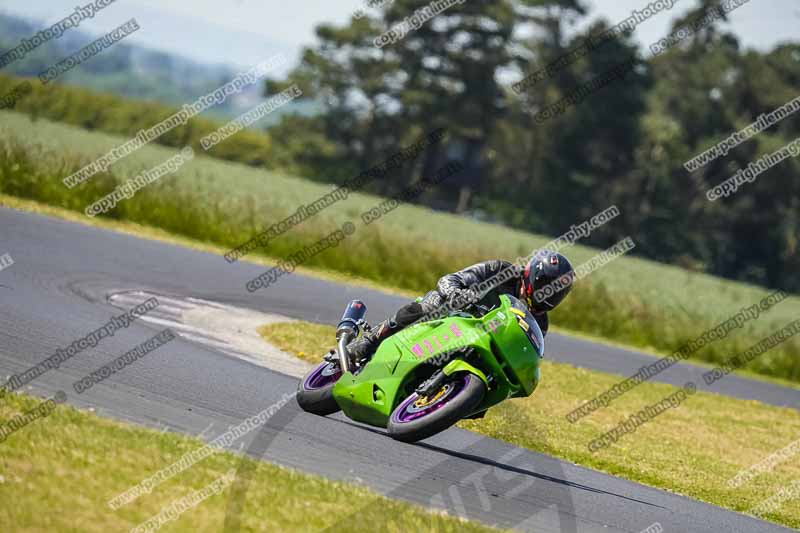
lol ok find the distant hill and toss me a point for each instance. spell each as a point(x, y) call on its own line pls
point(134, 71)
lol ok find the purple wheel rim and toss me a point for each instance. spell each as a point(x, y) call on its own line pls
point(408, 412)
point(324, 375)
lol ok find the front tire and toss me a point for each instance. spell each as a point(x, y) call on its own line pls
point(418, 418)
point(315, 390)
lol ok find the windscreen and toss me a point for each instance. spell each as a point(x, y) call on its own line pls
point(534, 332)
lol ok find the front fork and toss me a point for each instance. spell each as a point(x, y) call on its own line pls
point(434, 383)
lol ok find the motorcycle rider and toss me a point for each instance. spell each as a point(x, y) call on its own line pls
point(542, 269)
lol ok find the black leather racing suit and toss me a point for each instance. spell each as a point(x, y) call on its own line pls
point(449, 284)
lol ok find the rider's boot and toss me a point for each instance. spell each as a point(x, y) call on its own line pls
point(365, 346)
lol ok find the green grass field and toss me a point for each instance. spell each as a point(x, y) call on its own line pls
point(692, 450)
point(58, 473)
point(630, 301)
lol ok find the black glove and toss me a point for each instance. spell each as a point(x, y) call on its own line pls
point(461, 298)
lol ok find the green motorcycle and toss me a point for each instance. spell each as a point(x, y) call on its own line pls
point(427, 377)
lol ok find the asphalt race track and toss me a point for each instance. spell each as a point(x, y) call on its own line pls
point(57, 291)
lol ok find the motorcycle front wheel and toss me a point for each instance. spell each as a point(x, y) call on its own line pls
point(417, 418)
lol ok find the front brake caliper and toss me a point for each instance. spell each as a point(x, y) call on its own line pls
point(431, 385)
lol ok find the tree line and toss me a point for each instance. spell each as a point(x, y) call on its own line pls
point(628, 118)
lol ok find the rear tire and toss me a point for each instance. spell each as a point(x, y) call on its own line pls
point(315, 390)
point(410, 422)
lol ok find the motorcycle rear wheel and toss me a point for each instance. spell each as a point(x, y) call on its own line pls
point(315, 390)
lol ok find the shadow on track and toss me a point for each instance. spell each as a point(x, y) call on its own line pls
point(466, 497)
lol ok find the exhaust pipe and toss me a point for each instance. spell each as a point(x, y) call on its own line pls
point(348, 330)
point(344, 357)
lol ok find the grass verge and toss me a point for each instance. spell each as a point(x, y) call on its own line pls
point(157, 234)
point(692, 450)
point(58, 473)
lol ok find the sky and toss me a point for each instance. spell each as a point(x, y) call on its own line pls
point(245, 32)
